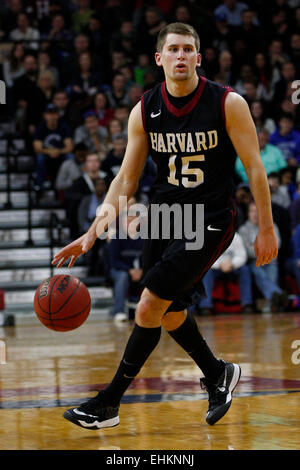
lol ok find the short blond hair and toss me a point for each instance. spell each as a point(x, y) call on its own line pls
point(177, 28)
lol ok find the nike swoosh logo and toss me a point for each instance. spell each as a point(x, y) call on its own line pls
point(153, 115)
point(211, 229)
point(83, 414)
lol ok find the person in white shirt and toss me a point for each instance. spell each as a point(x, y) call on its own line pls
point(24, 32)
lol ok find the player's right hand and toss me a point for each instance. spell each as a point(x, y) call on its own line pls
point(78, 247)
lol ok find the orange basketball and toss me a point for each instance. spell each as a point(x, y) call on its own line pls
point(62, 302)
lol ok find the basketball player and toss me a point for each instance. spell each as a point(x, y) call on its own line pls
point(193, 128)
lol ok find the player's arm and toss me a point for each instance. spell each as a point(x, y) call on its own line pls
point(242, 132)
point(124, 184)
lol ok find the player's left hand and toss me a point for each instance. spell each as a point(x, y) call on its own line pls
point(265, 247)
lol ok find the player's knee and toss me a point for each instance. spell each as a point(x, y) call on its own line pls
point(147, 313)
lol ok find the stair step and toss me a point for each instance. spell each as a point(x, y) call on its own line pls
point(19, 198)
point(20, 163)
point(100, 296)
point(14, 276)
point(19, 225)
point(26, 253)
point(37, 215)
point(33, 264)
point(21, 244)
point(37, 234)
point(17, 180)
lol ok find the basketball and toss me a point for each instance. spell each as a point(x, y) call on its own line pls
point(62, 302)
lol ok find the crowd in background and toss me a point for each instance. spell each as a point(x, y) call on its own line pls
point(75, 69)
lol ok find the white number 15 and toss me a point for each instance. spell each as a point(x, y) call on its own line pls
point(195, 172)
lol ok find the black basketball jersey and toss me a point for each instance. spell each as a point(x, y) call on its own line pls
point(190, 146)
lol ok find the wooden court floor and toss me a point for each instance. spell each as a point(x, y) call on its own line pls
point(47, 372)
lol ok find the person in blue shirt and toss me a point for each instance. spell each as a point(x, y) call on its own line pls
point(287, 139)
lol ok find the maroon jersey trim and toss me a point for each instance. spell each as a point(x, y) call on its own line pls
point(228, 90)
point(189, 106)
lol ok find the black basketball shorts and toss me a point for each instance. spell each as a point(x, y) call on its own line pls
point(174, 273)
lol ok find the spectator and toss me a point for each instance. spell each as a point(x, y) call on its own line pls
point(210, 62)
point(287, 139)
point(25, 90)
point(95, 33)
point(71, 169)
point(86, 81)
point(295, 51)
point(141, 67)
point(242, 199)
point(81, 187)
point(70, 66)
point(124, 267)
point(89, 204)
point(292, 264)
point(231, 262)
point(266, 75)
point(93, 135)
point(103, 111)
point(276, 55)
point(10, 15)
point(294, 209)
point(288, 74)
point(13, 66)
point(287, 180)
point(113, 161)
point(150, 26)
point(117, 94)
point(24, 32)
point(44, 95)
point(44, 64)
point(25, 86)
point(58, 30)
point(86, 214)
point(261, 121)
point(225, 67)
point(272, 157)
point(114, 127)
point(134, 95)
point(81, 17)
point(249, 32)
point(266, 276)
point(121, 113)
point(279, 192)
point(52, 144)
point(68, 113)
point(232, 10)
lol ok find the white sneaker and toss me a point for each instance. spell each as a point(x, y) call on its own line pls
point(120, 317)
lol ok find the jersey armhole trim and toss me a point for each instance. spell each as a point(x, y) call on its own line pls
point(143, 113)
point(228, 90)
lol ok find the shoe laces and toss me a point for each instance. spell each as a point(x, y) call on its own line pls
point(213, 390)
point(94, 403)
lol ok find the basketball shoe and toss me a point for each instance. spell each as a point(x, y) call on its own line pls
point(94, 414)
point(220, 393)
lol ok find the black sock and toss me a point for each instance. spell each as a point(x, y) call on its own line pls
point(139, 347)
point(189, 338)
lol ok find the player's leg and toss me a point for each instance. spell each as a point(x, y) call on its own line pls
point(220, 377)
point(183, 328)
point(102, 410)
